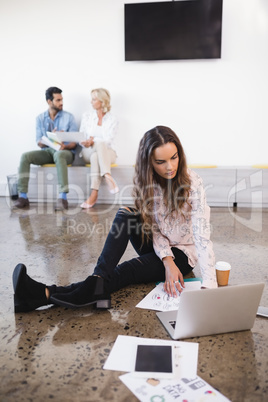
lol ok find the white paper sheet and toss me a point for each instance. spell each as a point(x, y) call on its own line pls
point(159, 300)
point(66, 136)
point(123, 355)
point(190, 389)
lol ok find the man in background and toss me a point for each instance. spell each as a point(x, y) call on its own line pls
point(54, 119)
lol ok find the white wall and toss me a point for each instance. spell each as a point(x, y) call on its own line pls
point(217, 107)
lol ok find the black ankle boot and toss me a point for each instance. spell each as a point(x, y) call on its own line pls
point(28, 294)
point(52, 289)
point(91, 291)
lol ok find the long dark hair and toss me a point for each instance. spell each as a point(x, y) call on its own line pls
point(176, 190)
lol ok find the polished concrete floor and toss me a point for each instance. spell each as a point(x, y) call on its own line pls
point(58, 354)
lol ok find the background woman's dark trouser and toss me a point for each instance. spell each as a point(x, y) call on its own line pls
point(145, 268)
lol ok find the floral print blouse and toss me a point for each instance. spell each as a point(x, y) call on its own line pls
point(189, 232)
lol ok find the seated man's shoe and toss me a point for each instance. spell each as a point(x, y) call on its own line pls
point(28, 294)
point(91, 291)
point(21, 203)
point(61, 205)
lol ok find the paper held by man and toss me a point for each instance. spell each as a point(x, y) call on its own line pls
point(64, 136)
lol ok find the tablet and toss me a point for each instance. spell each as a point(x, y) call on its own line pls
point(154, 361)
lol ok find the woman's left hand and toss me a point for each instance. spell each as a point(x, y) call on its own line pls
point(174, 278)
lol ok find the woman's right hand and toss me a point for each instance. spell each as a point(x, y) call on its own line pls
point(88, 143)
point(174, 279)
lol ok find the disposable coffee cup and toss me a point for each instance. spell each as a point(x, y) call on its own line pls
point(222, 272)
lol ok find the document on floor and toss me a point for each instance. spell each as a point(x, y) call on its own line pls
point(159, 300)
point(193, 389)
point(123, 355)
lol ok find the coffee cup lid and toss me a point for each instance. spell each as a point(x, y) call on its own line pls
point(223, 266)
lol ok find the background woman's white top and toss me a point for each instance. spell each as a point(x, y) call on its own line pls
point(106, 132)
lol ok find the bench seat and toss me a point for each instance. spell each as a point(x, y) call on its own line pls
point(225, 186)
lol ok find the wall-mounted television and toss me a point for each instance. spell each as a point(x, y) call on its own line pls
point(173, 30)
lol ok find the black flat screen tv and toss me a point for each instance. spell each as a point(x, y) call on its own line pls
point(173, 30)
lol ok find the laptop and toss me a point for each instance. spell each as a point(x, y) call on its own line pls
point(213, 311)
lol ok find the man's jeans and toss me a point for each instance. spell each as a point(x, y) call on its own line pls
point(42, 157)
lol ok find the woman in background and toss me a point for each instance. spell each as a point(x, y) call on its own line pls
point(169, 228)
point(100, 128)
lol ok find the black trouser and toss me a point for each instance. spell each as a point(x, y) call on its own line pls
point(145, 268)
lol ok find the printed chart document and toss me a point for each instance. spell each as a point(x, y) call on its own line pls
point(190, 389)
point(50, 143)
point(123, 355)
point(159, 300)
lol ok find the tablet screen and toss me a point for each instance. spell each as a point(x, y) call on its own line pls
point(154, 359)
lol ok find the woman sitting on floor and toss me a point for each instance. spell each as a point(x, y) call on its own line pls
point(100, 127)
point(169, 228)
